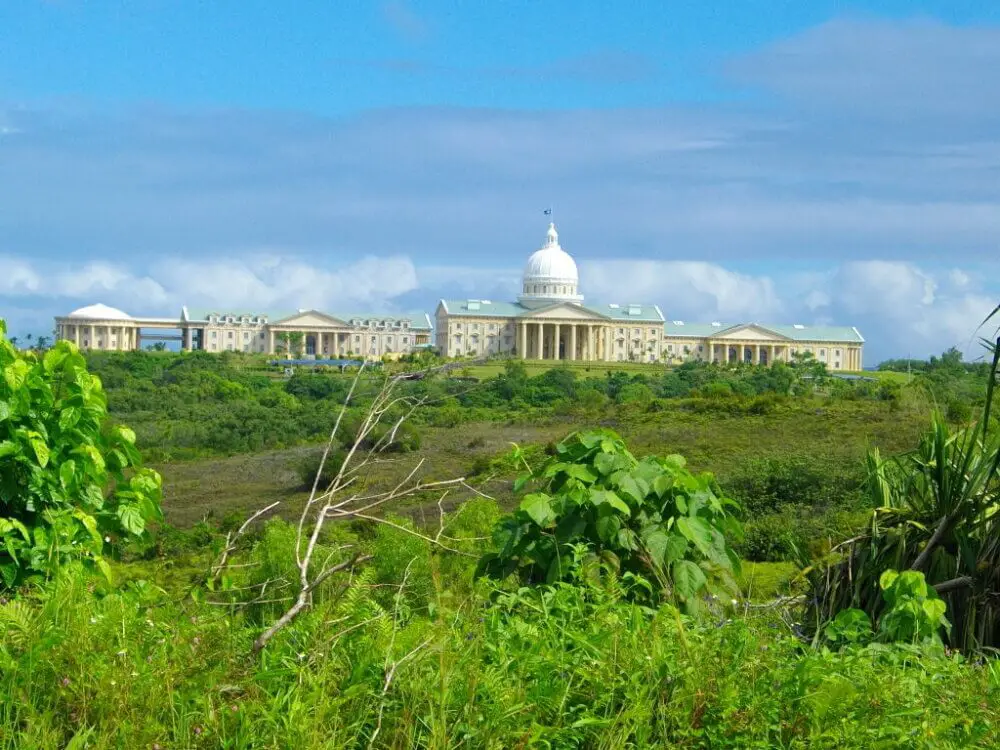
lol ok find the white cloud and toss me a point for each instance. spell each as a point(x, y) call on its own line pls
point(683, 288)
point(253, 282)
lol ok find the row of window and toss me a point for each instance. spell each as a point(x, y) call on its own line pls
point(548, 289)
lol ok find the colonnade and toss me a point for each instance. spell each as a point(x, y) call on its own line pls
point(324, 342)
point(127, 338)
point(766, 354)
point(569, 341)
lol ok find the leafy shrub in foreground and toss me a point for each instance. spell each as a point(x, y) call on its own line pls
point(651, 518)
point(68, 480)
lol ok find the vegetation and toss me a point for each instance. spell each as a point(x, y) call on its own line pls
point(66, 481)
point(651, 521)
point(616, 612)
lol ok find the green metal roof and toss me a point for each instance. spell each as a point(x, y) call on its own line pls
point(489, 308)
point(840, 334)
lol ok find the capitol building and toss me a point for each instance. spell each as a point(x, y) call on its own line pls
point(548, 321)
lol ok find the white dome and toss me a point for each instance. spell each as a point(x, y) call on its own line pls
point(551, 262)
point(550, 274)
point(100, 312)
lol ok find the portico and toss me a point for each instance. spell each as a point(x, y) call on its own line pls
point(561, 339)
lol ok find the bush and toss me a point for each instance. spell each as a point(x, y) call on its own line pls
point(69, 481)
point(596, 503)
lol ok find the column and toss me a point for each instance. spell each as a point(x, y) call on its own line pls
point(76, 335)
point(771, 351)
point(522, 340)
point(555, 343)
point(590, 343)
point(572, 341)
point(538, 340)
point(756, 354)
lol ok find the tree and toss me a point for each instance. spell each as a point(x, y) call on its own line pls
point(41, 343)
point(69, 480)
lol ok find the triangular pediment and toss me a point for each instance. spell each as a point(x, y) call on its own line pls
point(311, 319)
point(752, 332)
point(563, 311)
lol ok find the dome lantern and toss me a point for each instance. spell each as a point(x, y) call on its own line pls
point(550, 275)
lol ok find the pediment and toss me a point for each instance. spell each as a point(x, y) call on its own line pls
point(564, 311)
point(311, 319)
point(753, 333)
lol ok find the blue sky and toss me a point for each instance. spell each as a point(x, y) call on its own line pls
point(772, 161)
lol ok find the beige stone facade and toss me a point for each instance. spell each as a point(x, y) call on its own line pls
point(550, 321)
point(306, 333)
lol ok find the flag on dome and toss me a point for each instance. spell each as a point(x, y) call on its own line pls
point(547, 212)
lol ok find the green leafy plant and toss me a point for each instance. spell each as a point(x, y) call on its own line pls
point(915, 613)
point(69, 480)
point(849, 627)
point(650, 517)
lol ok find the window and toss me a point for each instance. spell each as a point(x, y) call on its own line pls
point(822, 352)
point(230, 334)
point(374, 339)
point(246, 336)
point(838, 352)
point(214, 334)
point(406, 340)
point(261, 335)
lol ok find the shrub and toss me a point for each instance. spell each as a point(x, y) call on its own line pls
point(69, 480)
point(652, 519)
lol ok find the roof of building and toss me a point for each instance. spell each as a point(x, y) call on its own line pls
point(551, 262)
point(100, 312)
point(489, 308)
point(417, 320)
point(793, 332)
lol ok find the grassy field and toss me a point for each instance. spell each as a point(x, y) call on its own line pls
point(715, 442)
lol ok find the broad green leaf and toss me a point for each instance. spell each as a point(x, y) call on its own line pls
point(8, 448)
point(689, 579)
point(605, 463)
point(662, 484)
point(696, 532)
point(131, 518)
point(600, 497)
point(53, 358)
point(539, 508)
point(15, 373)
point(607, 528)
point(5, 411)
point(665, 547)
point(69, 417)
point(628, 486)
point(66, 472)
point(578, 471)
point(126, 434)
point(41, 451)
